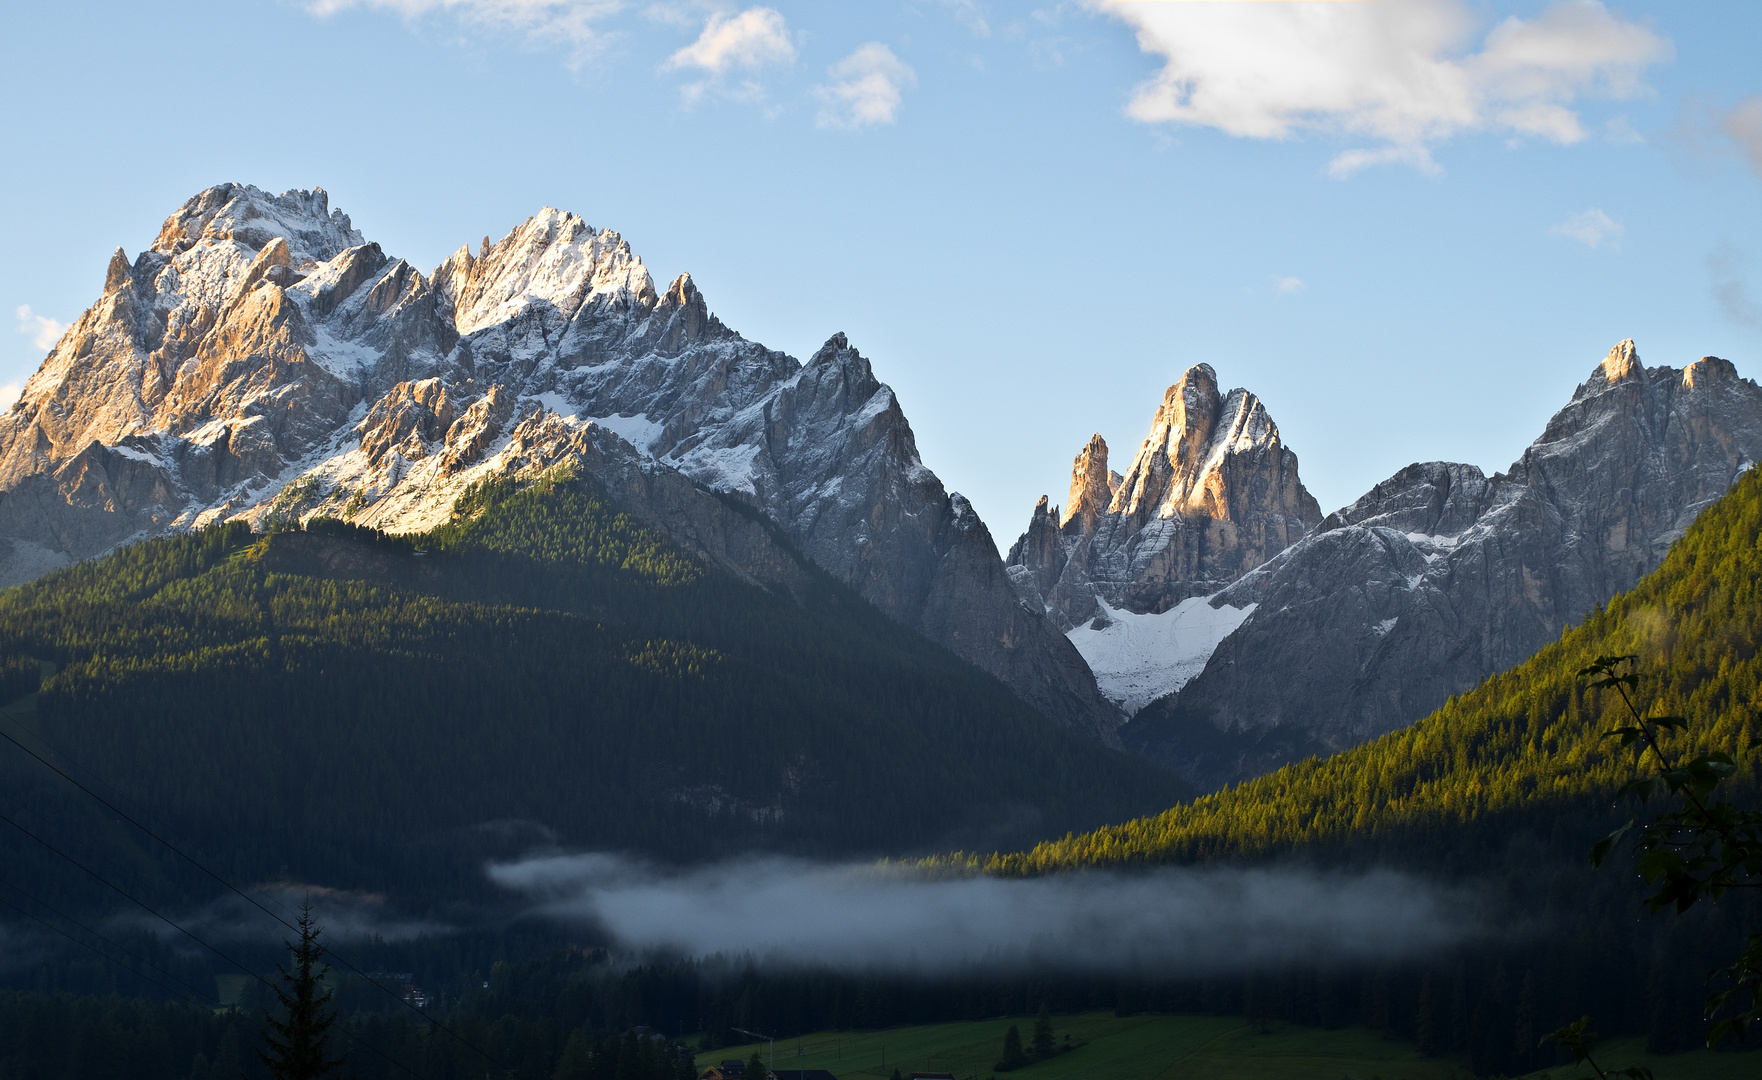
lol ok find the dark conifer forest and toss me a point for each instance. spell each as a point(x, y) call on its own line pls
point(385, 714)
point(331, 704)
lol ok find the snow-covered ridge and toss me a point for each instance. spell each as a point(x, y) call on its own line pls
point(265, 359)
point(1442, 575)
point(552, 258)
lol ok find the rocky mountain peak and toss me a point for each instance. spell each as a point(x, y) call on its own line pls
point(117, 274)
point(1623, 362)
point(263, 360)
point(251, 217)
point(1211, 493)
point(554, 261)
point(1707, 372)
point(1091, 487)
point(1440, 575)
point(1196, 432)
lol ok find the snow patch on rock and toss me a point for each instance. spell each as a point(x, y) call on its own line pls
point(637, 430)
point(1139, 658)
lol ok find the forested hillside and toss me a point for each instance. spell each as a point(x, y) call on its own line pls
point(1505, 789)
point(335, 706)
point(1522, 751)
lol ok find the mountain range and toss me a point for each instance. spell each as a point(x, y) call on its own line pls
point(353, 579)
point(1207, 567)
point(261, 361)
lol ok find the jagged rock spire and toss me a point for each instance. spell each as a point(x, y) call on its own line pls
point(1211, 493)
point(262, 357)
point(1090, 491)
point(1441, 575)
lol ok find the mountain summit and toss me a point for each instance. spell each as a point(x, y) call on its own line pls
point(1212, 493)
point(1441, 575)
point(262, 359)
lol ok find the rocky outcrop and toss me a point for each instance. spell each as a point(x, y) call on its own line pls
point(1212, 493)
point(1441, 575)
point(262, 358)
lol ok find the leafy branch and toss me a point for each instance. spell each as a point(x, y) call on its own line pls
point(1576, 1038)
point(1701, 849)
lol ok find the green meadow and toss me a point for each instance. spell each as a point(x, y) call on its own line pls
point(1108, 1047)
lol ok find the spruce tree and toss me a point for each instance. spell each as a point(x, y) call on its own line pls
point(298, 1044)
point(1013, 1058)
point(755, 1067)
point(1043, 1042)
point(576, 1062)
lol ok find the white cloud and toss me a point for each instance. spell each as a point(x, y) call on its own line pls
point(9, 395)
point(1350, 161)
point(870, 88)
point(748, 41)
point(1289, 284)
point(1744, 125)
point(1592, 228)
point(567, 23)
point(967, 11)
point(1398, 73)
point(44, 332)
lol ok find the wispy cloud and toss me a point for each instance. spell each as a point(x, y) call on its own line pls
point(1744, 125)
point(1725, 266)
point(732, 44)
point(1289, 284)
point(1396, 73)
point(1618, 130)
point(1592, 228)
point(1189, 920)
point(970, 16)
point(570, 24)
point(869, 88)
point(43, 331)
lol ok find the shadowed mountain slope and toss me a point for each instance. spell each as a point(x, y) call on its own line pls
point(335, 705)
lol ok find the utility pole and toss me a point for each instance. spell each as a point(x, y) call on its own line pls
point(772, 1039)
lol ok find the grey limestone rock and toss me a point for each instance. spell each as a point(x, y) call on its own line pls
point(1212, 493)
point(1440, 575)
point(263, 357)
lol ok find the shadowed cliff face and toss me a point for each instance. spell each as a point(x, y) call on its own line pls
point(1441, 575)
point(1212, 493)
point(261, 358)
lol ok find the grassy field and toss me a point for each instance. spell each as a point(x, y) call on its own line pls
point(1176, 1048)
point(1700, 1065)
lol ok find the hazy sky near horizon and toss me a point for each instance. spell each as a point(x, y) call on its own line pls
point(1410, 226)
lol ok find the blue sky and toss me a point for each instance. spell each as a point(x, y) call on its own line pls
point(1411, 226)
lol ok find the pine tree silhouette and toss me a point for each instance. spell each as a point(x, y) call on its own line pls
point(1043, 1044)
point(1013, 1057)
point(298, 1045)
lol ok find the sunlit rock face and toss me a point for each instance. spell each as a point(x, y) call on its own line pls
point(1212, 493)
point(261, 357)
point(1441, 575)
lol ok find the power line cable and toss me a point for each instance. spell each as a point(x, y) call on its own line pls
point(109, 801)
point(57, 770)
point(113, 943)
point(149, 909)
point(189, 992)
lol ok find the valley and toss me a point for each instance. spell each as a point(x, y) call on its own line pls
point(1149, 1047)
point(552, 640)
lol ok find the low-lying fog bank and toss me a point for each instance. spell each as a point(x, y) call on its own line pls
point(1194, 921)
